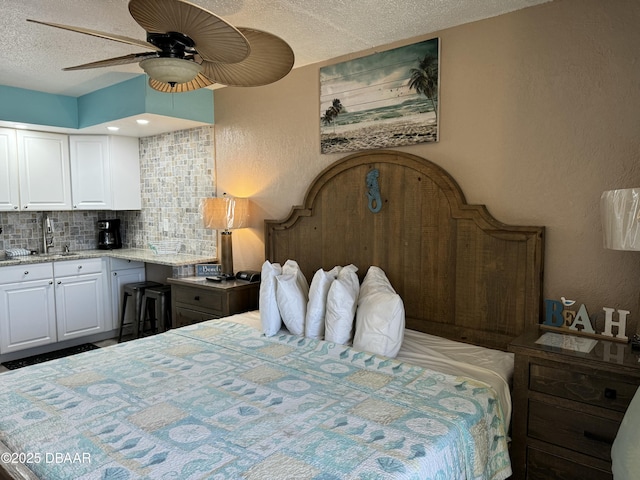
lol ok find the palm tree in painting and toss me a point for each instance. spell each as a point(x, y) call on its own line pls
point(424, 79)
point(332, 112)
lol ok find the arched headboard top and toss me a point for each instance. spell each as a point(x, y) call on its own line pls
point(461, 273)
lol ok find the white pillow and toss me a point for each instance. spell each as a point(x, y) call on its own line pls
point(380, 316)
point(341, 306)
point(269, 313)
point(317, 306)
point(625, 451)
point(292, 295)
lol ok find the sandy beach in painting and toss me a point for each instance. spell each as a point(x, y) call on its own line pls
point(389, 133)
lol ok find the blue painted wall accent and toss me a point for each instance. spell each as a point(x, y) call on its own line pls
point(124, 99)
point(28, 106)
point(121, 100)
point(196, 105)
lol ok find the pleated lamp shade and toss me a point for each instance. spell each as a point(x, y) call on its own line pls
point(620, 211)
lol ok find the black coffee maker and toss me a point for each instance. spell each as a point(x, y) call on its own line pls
point(109, 234)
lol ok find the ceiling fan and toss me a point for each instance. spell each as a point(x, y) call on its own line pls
point(192, 48)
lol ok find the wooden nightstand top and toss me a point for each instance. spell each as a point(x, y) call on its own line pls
point(615, 356)
point(202, 282)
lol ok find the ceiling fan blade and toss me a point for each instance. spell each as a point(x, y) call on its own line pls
point(215, 40)
point(96, 33)
point(199, 82)
point(271, 58)
point(109, 62)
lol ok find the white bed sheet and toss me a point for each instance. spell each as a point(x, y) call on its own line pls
point(493, 367)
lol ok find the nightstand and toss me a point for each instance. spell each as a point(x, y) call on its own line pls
point(567, 407)
point(195, 299)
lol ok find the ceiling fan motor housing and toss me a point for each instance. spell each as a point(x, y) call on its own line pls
point(172, 44)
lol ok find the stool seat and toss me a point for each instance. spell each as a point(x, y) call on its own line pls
point(135, 290)
point(160, 298)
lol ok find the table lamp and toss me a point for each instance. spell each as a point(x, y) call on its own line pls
point(620, 211)
point(224, 214)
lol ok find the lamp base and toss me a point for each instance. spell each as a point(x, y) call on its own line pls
point(226, 255)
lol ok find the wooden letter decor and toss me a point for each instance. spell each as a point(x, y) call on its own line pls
point(373, 191)
point(559, 317)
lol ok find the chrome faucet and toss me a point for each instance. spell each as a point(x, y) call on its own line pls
point(47, 233)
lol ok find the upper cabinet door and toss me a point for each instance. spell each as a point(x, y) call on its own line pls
point(9, 185)
point(125, 173)
point(45, 180)
point(105, 172)
point(90, 172)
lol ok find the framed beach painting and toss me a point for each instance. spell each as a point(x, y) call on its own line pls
point(387, 99)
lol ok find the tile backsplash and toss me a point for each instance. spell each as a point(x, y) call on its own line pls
point(177, 171)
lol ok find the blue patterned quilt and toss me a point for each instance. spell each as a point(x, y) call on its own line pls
point(219, 400)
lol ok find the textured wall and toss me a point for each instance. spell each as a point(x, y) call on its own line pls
point(539, 115)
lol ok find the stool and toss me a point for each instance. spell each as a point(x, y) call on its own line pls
point(135, 290)
point(160, 298)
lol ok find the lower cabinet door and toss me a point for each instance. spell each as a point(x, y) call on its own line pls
point(27, 315)
point(80, 305)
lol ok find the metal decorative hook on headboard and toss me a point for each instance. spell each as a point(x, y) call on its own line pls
point(373, 191)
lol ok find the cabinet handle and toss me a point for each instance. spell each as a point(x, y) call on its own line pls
point(15, 208)
point(610, 393)
point(598, 438)
point(79, 267)
point(197, 297)
point(26, 272)
point(50, 282)
point(115, 274)
point(59, 282)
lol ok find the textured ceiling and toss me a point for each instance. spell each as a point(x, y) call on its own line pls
point(32, 56)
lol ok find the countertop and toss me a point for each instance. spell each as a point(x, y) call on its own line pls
point(134, 254)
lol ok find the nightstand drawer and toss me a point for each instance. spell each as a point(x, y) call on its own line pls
point(186, 316)
point(210, 300)
point(604, 391)
point(547, 466)
point(572, 429)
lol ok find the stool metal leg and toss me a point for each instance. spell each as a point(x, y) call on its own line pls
point(162, 322)
point(139, 321)
point(142, 311)
point(124, 306)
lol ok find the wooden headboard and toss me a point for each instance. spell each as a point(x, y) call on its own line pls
point(461, 273)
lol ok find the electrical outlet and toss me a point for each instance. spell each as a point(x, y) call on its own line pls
point(165, 225)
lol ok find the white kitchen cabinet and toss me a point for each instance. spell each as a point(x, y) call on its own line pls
point(9, 185)
point(80, 293)
point(105, 172)
point(122, 273)
point(44, 170)
point(27, 307)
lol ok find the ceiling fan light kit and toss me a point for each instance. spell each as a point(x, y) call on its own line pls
point(171, 70)
point(193, 48)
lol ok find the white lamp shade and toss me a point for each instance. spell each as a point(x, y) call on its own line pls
point(619, 210)
point(225, 213)
point(170, 70)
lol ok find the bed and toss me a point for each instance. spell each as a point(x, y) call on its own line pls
point(219, 399)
